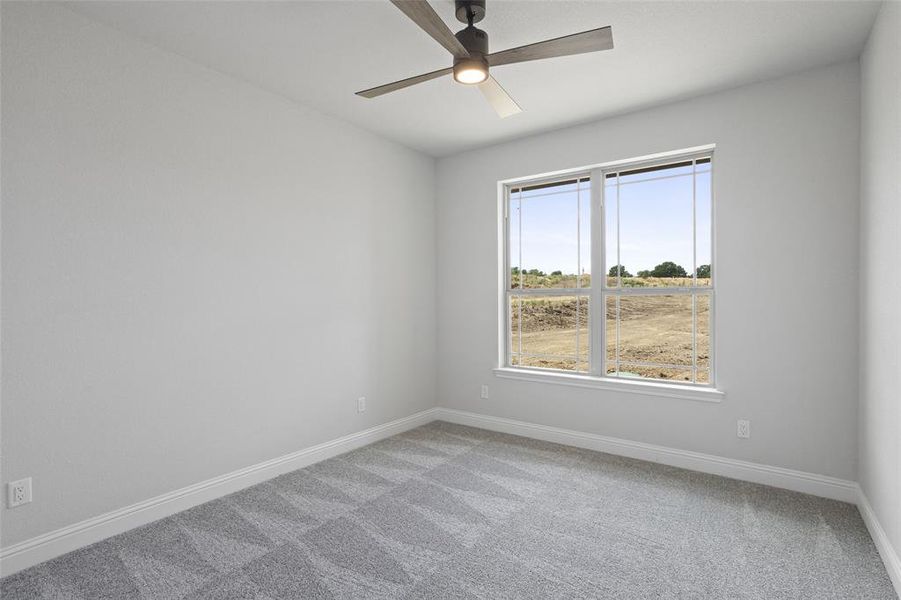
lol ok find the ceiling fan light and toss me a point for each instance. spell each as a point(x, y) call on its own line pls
point(471, 76)
point(470, 71)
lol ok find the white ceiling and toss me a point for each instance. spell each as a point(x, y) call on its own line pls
point(320, 53)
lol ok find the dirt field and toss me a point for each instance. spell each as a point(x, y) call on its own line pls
point(654, 330)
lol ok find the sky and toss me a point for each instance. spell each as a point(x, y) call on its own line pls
point(655, 223)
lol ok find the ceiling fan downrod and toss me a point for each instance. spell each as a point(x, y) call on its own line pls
point(470, 11)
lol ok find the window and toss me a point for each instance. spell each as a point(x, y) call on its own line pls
point(549, 284)
point(617, 259)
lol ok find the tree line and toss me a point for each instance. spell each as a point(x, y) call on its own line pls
point(664, 269)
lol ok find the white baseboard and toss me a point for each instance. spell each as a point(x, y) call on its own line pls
point(789, 479)
point(890, 557)
point(55, 543)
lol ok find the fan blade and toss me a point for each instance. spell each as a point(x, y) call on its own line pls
point(577, 43)
point(498, 98)
point(422, 13)
point(399, 85)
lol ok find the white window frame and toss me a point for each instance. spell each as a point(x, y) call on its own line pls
point(599, 292)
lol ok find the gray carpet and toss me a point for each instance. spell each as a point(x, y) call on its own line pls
point(445, 511)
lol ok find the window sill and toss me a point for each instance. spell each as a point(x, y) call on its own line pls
point(646, 388)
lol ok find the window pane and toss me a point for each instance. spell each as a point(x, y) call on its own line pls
point(583, 340)
point(554, 332)
point(610, 233)
point(513, 247)
point(514, 313)
point(703, 218)
point(585, 234)
point(610, 332)
point(655, 336)
point(655, 223)
point(551, 244)
point(702, 308)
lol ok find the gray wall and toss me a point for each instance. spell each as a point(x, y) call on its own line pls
point(786, 186)
point(880, 303)
point(197, 275)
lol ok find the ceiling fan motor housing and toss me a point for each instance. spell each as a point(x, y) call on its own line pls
point(476, 43)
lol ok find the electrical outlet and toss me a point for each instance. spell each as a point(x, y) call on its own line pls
point(18, 492)
point(484, 392)
point(744, 428)
point(361, 404)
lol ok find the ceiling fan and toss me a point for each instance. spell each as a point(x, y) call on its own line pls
point(469, 47)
